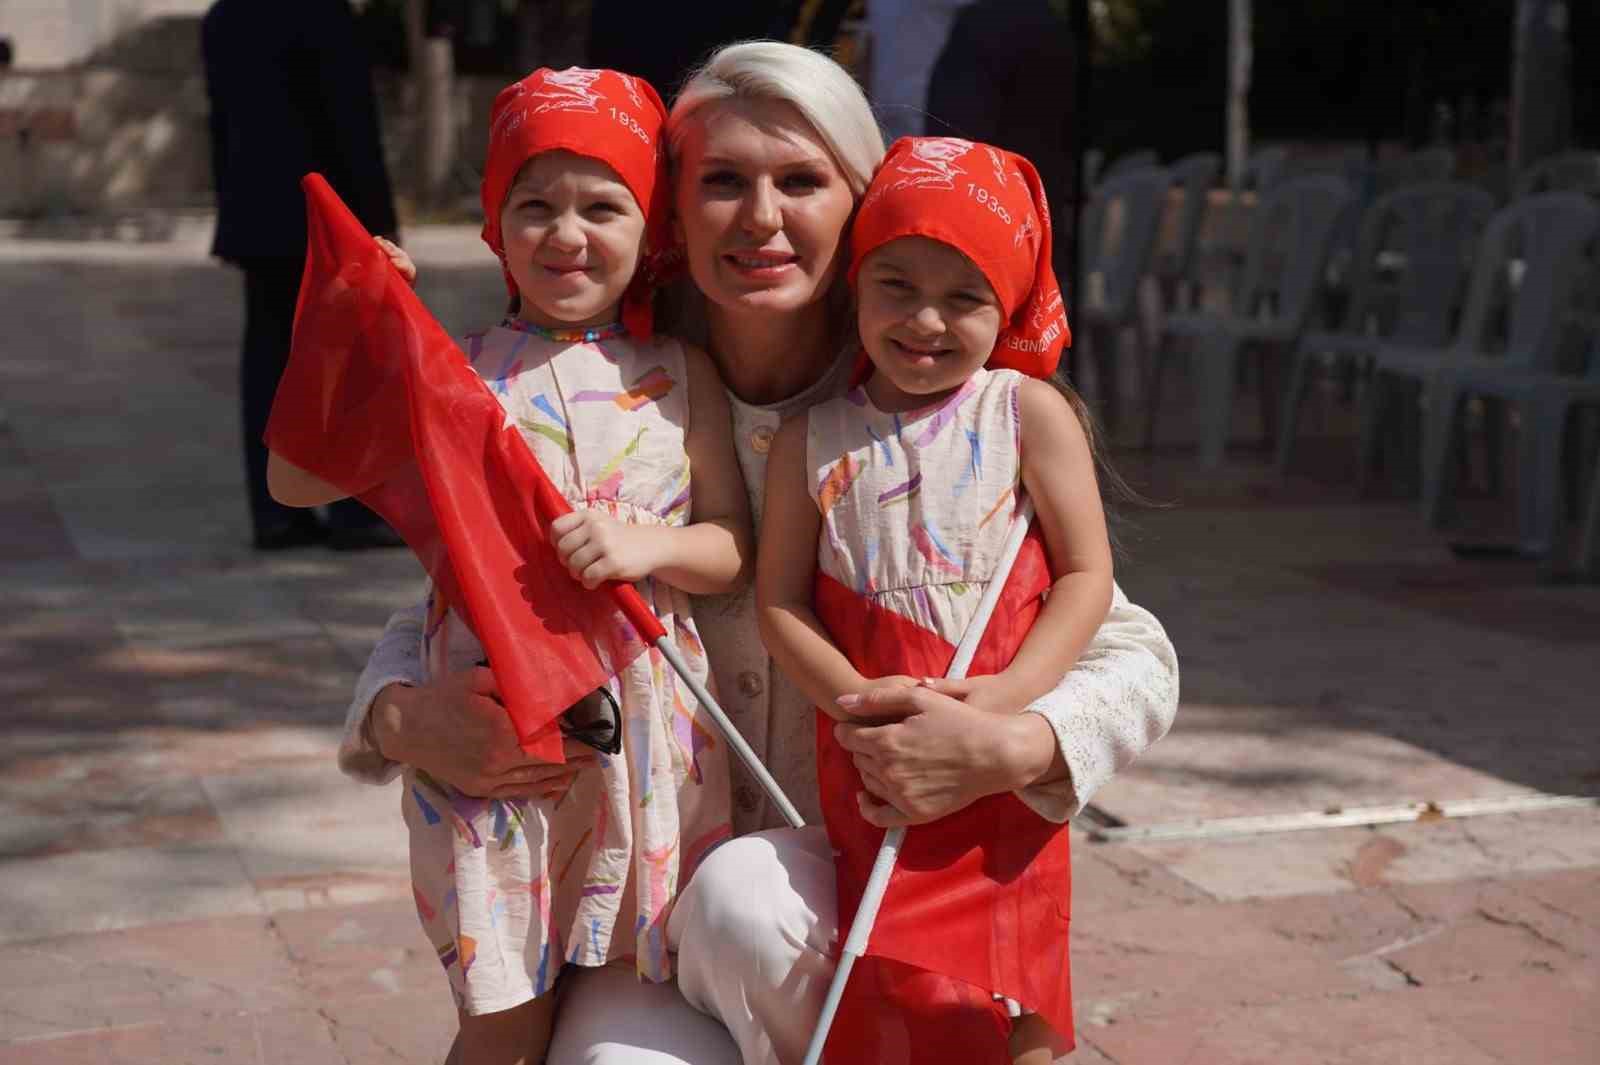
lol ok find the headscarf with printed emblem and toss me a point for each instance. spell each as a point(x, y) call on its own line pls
point(988, 204)
point(602, 114)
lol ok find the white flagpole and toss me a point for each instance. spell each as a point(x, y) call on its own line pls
point(855, 943)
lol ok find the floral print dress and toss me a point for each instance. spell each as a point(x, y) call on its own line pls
point(509, 891)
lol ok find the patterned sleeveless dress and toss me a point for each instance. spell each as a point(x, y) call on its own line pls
point(508, 891)
point(915, 506)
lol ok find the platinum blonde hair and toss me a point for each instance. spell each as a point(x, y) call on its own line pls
point(820, 89)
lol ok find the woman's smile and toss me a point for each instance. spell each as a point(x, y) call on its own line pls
point(762, 264)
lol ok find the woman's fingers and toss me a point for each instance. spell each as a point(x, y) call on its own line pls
point(883, 815)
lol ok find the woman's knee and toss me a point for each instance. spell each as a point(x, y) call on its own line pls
point(760, 888)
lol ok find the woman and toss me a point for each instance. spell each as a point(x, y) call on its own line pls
point(772, 146)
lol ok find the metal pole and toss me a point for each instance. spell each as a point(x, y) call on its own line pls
point(1239, 60)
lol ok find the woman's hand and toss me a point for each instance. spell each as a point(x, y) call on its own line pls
point(402, 262)
point(596, 549)
point(456, 730)
point(923, 753)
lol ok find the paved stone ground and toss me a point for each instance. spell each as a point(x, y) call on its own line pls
point(187, 878)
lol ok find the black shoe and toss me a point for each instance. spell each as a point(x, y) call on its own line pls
point(290, 534)
point(364, 537)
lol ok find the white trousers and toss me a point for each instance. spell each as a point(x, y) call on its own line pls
point(754, 931)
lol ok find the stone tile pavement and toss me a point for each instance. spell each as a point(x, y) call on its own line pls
point(185, 877)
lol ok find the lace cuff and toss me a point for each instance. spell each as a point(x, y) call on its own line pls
point(1119, 698)
point(397, 659)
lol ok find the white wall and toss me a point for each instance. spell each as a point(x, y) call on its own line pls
point(47, 34)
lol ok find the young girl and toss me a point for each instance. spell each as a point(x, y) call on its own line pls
point(510, 891)
point(885, 515)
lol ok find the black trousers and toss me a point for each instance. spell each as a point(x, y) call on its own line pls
point(270, 289)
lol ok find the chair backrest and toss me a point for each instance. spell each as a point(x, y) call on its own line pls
point(1195, 174)
point(1291, 229)
point(1567, 172)
point(1265, 169)
point(1428, 164)
point(1123, 164)
point(1522, 278)
point(1093, 160)
point(1428, 233)
point(1120, 229)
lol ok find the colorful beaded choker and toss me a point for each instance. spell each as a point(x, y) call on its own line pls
point(566, 336)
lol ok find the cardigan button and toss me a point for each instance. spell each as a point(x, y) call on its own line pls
point(750, 684)
point(761, 439)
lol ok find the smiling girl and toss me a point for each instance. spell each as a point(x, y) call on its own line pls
point(633, 428)
point(886, 513)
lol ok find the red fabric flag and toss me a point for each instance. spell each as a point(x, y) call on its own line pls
point(378, 400)
point(979, 903)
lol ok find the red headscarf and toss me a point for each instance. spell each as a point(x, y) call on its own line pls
point(988, 204)
point(602, 114)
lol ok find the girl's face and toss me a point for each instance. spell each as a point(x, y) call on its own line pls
point(572, 233)
point(928, 320)
point(761, 206)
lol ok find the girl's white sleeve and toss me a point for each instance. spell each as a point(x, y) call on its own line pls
point(1119, 699)
point(396, 659)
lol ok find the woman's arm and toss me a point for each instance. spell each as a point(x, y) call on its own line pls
point(786, 570)
point(1058, 474)
point(709, 556)
point(455, 729)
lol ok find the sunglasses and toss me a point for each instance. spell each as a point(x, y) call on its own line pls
point(594, 721)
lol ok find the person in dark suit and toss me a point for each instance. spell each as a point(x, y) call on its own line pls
point(290, 91)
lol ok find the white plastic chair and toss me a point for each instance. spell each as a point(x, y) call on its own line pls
point(1527, 259)
point(1424, 234)
point(1290, 230)
point(1123, 164)
point(1120, 229)
point(1195, 174)
point(1589, 538)
point(1567, 172)
point(1414, 168)
point(1265, 169)
point(1093, 160)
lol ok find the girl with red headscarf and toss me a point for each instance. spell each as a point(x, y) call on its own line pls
point(633, 429)
point(886, 511)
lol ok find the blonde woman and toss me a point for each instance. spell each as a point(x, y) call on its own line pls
point(772, 147)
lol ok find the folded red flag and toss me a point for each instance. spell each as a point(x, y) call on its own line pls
point(979, 903)
point(378, 400)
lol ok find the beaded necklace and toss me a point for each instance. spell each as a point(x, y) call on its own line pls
point(566, 336)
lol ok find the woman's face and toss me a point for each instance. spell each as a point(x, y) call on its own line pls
point(761, 206)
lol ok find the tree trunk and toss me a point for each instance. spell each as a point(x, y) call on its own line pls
point(1541, 82)
point(1239, 59)
point(433, 81)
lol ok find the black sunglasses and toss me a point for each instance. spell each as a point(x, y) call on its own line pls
point(594, 721)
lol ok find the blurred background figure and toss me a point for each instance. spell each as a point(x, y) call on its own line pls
point(907, 37)
point(290, 92)
point(1005, 76)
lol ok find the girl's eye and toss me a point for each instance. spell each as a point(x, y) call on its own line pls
point(604, 209)
point(533, 205)
point(968, 298)
point(894, 284)
point(720, 179)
